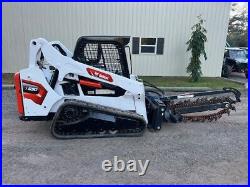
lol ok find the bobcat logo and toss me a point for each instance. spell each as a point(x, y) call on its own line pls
point(99, 74)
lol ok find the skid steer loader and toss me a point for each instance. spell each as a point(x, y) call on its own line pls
point(91, 92)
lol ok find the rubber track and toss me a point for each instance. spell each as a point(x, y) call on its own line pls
point(98, 108)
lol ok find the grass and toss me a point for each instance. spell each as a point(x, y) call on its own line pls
point(214, 83)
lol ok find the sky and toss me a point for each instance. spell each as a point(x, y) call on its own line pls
point(241, 6)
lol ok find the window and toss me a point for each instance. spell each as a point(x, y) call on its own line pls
point(237, 54)
point(147, 45)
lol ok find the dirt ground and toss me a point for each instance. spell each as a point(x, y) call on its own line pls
point(184, 153)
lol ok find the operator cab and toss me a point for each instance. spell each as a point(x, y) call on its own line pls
point(106, 53)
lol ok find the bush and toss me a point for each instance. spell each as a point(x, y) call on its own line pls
point(197, 48)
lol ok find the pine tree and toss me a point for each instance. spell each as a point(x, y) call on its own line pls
point(197, 48)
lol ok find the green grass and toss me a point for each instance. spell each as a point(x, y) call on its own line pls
point(214, 83)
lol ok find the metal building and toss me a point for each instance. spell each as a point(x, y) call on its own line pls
point(159, 31)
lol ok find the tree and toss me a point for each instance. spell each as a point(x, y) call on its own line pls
point(197, 48)
point(238, 28)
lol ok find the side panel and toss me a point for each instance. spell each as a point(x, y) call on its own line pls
point(32, 108)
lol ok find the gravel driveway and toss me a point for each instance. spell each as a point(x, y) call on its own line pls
point(240, 77)
point(181, 153)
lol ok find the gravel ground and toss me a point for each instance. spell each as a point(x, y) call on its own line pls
point(186, 153)
point(240, 77)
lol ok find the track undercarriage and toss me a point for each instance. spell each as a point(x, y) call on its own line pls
point(78, 119)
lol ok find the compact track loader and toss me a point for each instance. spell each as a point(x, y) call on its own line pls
point(91, 92)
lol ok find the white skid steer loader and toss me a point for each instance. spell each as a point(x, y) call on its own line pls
point(91, 92)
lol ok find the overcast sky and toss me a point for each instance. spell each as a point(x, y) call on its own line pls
point(241, 6)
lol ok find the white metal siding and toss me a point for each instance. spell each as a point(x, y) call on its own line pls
point(68, 21)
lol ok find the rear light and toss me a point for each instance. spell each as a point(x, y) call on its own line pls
point(19, 97)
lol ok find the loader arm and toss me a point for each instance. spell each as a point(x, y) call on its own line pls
point(134, 95)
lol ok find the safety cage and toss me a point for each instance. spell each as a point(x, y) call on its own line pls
point(108, 55)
